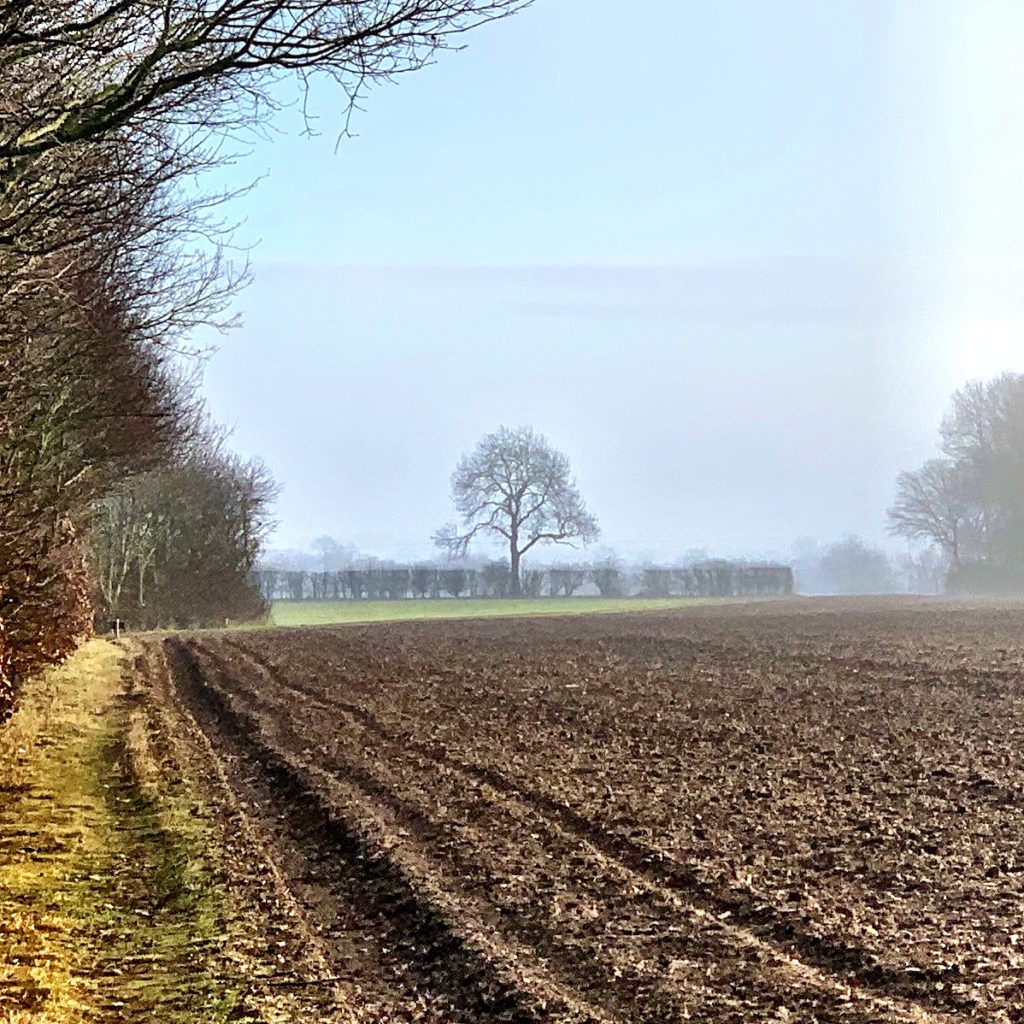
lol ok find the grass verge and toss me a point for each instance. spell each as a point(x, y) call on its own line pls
point(106, 909)
point(324, 613)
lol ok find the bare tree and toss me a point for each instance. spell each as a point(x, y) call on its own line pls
point(531, 582)
point(970, 430)
point(516, 486)
point(567, 579)
point(454, 581)
point(925, 572)
point(608, 576)
point(935, 504)
point(971, 502)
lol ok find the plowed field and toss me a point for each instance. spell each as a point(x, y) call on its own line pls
point(788, 811)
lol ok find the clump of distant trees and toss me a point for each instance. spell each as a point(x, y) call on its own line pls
point(493, 579)
point(851, 565)
point(847, 566)
point(177, 546)
point(969, 502)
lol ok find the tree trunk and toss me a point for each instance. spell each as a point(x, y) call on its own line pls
point(516, 582)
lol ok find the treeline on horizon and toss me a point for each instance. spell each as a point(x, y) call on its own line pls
point(717, 578)
point(849, 566)
point(114, 486)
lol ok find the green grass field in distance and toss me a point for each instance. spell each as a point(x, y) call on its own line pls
point(325, 613)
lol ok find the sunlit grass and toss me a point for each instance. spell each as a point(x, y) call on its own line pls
point(43, 901)
point(324, 613)
point(91, 839)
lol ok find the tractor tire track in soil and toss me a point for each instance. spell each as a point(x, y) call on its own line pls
point(406, 820)
point(272, 942)
point(851, 965)
point(422, 961)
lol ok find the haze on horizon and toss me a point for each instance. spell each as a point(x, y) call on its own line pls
point(733, 266)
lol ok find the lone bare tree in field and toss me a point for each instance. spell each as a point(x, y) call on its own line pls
point(515, 485)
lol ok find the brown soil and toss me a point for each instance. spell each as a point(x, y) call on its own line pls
point(791, 811)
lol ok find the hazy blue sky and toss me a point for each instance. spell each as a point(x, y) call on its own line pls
point(731, 257)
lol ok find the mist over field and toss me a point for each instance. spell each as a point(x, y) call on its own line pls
point(738, 293)
point(731, 408)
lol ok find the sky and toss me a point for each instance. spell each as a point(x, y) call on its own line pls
point(731, 258)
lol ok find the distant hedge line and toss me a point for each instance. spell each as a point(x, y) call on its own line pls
point(396, 583)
